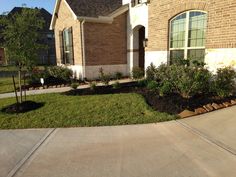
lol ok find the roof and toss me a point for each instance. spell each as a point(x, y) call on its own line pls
point(94, 8)
point(43, 13)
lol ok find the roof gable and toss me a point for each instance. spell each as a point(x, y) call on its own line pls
point(94, 8)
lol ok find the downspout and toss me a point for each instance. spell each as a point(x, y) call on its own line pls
point(83, 49)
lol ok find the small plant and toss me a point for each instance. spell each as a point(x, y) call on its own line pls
point(165, 89)
point(151, 72)
point(142, 83)
point(105, 78)
point(116, 85)
point(118, 75)
point(152, 85)
point(224, 82)
point(137, 73)
point(74, 85)
point(93, 86)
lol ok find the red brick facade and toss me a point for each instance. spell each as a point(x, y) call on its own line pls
point(106, 44)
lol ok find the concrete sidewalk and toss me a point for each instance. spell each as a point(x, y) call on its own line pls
point(169, 149)
point(56, 90)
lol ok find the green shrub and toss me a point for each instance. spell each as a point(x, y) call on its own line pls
point(142, 82)
point(60, 72)
point(151, 72)
point(116, 85)
point(152, 85)
point(74, 85)
point(105, 78)
point(93, 86)
point(224, 82)
point(185, 80)
point(137, 73)
point(118, 75)
point(165, 89)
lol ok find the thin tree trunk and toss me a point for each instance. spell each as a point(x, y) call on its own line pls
point(20, 87)
point(24, 88)
point(14, 83)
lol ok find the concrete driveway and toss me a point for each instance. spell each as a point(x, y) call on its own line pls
point(199, 146)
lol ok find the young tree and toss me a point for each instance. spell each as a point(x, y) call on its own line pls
point(21, 34)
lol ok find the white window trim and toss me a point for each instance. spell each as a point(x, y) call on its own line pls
point(185, 48)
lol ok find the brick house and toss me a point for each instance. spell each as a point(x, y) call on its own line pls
point(45, 56)
point(118, 35)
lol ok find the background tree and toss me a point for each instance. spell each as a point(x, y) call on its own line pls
point(21, 36)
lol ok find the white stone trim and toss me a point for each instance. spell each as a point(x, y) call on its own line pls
point(220, 58)
point(155, 57)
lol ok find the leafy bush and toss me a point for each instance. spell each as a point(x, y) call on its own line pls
point(224, 82)
point(93, 86)
point(118, 75)
point(52, 75)
point(142, 83)
point(185, 80)
point(74, 85)
point(137, 73)
point(151, 72)
point(105, 78)
point(152, 85)
point(116, 85)
point(59, 72)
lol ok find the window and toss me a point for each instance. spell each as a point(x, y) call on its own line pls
point(135, 2)
point(66, 46)
point(187, 36)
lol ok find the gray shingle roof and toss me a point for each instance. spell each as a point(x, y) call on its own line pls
point(94, 8)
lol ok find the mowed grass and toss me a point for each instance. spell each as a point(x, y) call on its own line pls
point(73, 111)
point(6, 84)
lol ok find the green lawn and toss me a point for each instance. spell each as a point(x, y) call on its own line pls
point(72, 111)
point(14, 68)
point(6, 85)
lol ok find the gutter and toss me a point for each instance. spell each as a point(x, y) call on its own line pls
point(83, 48)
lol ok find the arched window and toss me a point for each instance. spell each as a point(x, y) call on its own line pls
point(187, 36)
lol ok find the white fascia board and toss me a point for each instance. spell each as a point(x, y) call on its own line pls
point(53, 15)
point(56, 8)
point(119, 11)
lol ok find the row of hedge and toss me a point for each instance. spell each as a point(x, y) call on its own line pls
point(189, 81)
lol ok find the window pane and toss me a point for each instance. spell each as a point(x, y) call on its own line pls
point(196, 55)
point(178, 31)
point(197, 28)
point(176, 55)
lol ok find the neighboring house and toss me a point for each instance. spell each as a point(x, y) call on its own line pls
point(118, 35)
point(45, 56)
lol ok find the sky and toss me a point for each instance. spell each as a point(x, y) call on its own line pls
point(8, 5)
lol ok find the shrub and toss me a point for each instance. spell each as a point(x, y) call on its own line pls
point(105, 78)
point(93, 86)
point(151, 72)
point(61, 73)
point(118, 75)
point(223, 84)
point(74, 85)
point(142, 83)
point(116, 85)
point(137, 73)
point(185, 80)
point(152, 85)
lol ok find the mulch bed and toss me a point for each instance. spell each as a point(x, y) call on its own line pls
point(172, 104)
point(22, 108)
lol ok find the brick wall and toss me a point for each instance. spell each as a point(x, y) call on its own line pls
point(221, 30)
point(106, 44)
point(66, 20)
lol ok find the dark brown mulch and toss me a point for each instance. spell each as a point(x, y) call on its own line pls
point(22, 108)
point(172, 104)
